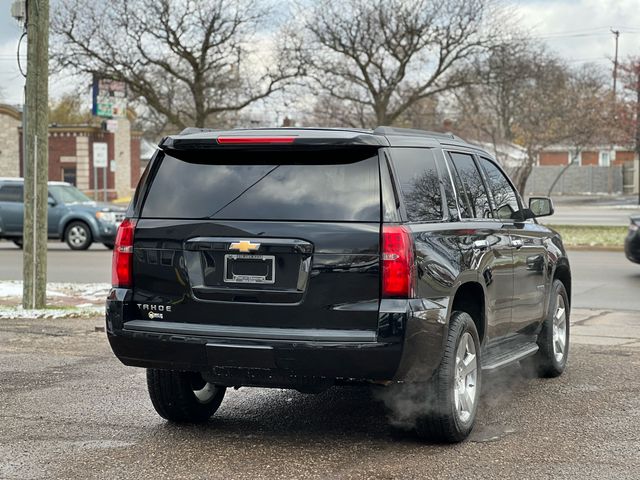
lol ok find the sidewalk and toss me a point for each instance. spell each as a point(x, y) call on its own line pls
point(605, 327)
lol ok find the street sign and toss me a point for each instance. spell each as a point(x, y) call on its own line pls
point(112, 166)
point(100, 154)
point(111, 125)
point(109, 98)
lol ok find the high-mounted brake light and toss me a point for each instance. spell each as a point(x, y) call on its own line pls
point(121, 267)
point(254, 140)
point(397, 262)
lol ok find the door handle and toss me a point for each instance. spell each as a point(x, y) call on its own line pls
point(516, 243)
point(481, 244)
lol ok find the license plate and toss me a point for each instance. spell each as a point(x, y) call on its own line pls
point(256, 269)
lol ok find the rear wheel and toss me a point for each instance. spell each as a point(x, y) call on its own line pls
point(183, 397)
point(454, 390)
point(18, 242)
point(553, 340)
point(78, 236)
point(109, 245)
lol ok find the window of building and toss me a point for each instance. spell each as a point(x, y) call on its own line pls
point(605, 159)
point(69, 175)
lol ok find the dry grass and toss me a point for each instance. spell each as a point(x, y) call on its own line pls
point(591, 236)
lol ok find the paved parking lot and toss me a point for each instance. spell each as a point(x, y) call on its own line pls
point(71, 411)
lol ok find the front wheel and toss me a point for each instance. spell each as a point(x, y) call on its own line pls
point(183, 397)
point(454, 390)
point(553, 340)
point(78, 236)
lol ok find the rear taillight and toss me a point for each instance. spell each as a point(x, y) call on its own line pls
point(121, 267)
point(397, 262)
point(253, 140)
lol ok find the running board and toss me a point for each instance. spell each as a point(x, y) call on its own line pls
point(494, 362)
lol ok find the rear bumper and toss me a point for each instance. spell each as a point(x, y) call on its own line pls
point(407, 344)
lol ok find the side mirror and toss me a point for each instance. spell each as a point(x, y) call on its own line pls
point(51, 201)
point(541, 206)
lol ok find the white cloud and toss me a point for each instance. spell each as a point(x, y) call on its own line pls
point(579, 30)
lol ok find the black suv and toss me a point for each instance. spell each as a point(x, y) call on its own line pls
point(306, 258)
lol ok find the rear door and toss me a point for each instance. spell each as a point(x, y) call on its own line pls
point(261, 237)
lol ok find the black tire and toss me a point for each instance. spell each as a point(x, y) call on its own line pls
point(78, 235)
point(545, 363)
point(109, 245)
point(444, 423)
point(18, 242)
point(174, 397)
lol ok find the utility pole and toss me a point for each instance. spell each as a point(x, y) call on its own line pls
point(36, 170)
point(616, 33)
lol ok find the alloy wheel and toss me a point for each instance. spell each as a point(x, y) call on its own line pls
point(466, 377)
point(559, 329)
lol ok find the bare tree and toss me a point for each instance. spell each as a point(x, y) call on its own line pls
point(529, 97)
point(190, 62)
point(564, 107)
point(378, 58)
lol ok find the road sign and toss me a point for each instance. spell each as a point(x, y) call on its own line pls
point(100, 154)
point(109, 98)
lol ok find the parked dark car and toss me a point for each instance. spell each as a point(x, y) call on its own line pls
point(632, 242)
point(306, 258)
point(71, 217)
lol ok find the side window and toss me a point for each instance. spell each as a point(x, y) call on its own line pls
point(470, 187)
point(11, 193)
point(504, 196)
point(419, 183)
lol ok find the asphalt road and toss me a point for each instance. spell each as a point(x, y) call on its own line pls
point(70, 410)
point(602, 279)
point(64, 264)
point(590, 215)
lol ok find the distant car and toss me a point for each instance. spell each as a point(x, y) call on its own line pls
point(632, 242)
point(72, 216)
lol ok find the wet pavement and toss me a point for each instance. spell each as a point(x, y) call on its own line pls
point(70, 410)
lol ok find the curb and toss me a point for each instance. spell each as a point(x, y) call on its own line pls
point(595, 248)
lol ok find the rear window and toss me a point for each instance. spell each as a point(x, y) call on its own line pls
point(261, 185)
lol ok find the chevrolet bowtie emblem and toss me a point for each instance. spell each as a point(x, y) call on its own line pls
point(244, 246)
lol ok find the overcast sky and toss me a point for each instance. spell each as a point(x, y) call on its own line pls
point(576, 29)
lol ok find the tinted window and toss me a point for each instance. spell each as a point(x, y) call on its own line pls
point(470, 187)
point(505, 198)
point(419, 183)
point(277, 185)
point(11, 193)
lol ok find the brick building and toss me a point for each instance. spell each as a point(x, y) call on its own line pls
point(71, 154)
point(602, 156)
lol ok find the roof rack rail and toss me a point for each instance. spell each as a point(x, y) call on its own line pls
point(190, 130)
point(415, 132)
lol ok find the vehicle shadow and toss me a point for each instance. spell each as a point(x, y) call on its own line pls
point(353, 413)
